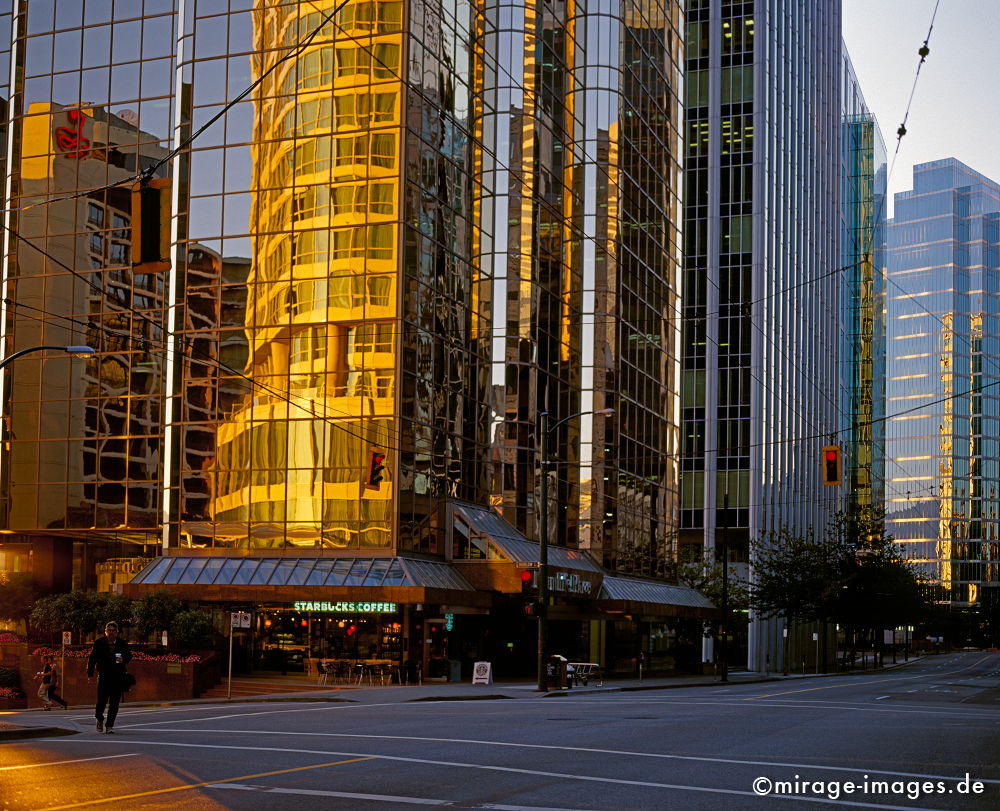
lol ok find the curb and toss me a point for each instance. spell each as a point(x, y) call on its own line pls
point(22, 733)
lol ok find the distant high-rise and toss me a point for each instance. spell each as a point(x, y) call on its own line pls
point(943, 389)
point(862, 269)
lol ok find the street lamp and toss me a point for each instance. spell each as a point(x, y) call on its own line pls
point(79, 351)
point(543, 539)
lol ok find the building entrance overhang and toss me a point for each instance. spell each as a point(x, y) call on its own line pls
point(263, 579)
point(636, 596)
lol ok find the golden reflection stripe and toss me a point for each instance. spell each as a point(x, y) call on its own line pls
point(204, 783)
point(873, 681)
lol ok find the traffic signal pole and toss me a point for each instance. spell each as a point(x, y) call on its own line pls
point(543, 554)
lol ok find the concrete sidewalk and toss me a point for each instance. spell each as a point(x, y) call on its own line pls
point(28, 723)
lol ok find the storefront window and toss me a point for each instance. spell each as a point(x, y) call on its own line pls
point(285, 638)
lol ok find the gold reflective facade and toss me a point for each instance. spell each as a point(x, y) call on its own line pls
point(321, 316)
point(425, 225)
point(82, 110)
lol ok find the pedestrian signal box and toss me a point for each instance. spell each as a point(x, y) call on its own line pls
point(832, 466)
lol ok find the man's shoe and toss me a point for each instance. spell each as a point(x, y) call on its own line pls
point(100, 726)
point(110, 731)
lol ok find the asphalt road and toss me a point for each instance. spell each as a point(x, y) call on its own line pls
point(904, 738)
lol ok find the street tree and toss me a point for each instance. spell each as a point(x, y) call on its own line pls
point(18, 592)
point(83, 612)
point(851, 575)
point(706, 578)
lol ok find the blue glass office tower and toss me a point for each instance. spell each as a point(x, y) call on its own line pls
point(943, 369)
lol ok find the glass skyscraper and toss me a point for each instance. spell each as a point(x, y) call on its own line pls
point(862, 267)
point(423, 226)
point(779, 343)
point(943, 474)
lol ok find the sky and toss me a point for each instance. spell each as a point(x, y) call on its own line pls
point(956, 108)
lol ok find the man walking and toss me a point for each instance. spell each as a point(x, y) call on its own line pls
point(109, 655)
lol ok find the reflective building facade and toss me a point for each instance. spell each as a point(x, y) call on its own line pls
point(862, 267)
point(422, 226)
point(944, 345)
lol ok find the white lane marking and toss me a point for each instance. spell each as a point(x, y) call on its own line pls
point(589, 750)
point(64, 762)
point(382, 798)
point(533, 772)
point(802, 704)
point(317, 707)
point(879, 698)
point(385, 798)
point(388, 798)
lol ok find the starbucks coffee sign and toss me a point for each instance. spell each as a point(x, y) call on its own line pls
point(346, 608)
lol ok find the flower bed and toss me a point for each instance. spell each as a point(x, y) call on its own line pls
point(137, 655)
point(12, 699)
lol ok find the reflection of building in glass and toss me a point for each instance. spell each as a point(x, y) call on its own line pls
point(581, 192)
point(84, 435)
point(322, 289)
point(943, 477)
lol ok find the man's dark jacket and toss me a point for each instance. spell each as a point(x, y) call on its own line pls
point(103, 657)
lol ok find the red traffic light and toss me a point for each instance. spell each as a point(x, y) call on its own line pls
point(376, 469)
point(526, 576)
point(832, 469)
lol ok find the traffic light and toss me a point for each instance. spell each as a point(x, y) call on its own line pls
point(529, 609)
point(376, 469)
point(151, 222)
point(529, 581)
point(832, 469)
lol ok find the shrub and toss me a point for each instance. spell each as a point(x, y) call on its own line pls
point(9, 677)
point(191, 629)
point(155, 612)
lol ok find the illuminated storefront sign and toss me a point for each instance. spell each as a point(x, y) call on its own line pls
point(570, 583)
point(347, 608)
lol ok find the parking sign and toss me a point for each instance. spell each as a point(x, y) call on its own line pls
point(239, 619)
point(67, 637)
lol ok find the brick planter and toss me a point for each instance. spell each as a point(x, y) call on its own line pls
point(19, 703)
point(155, 680)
